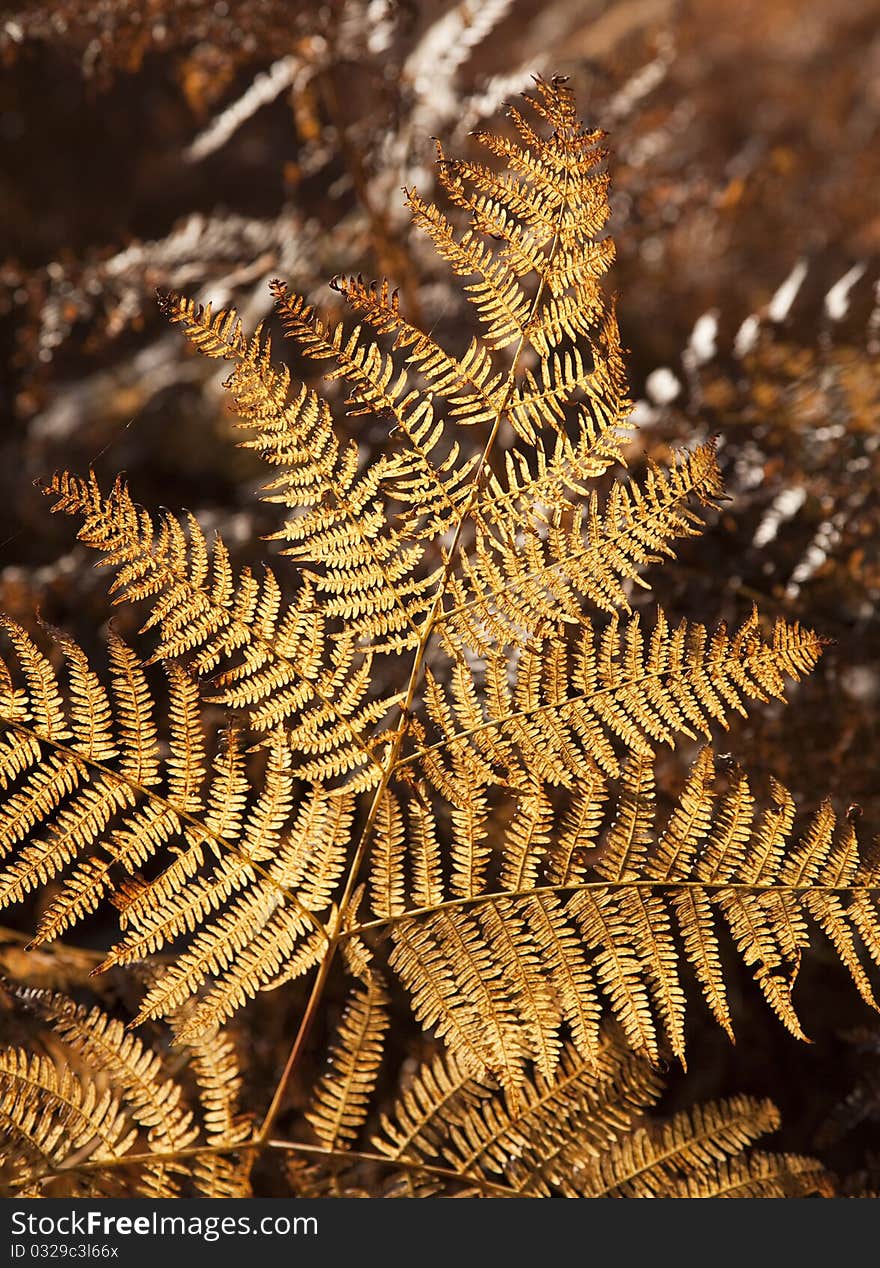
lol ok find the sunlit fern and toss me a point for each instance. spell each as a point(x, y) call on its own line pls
point(484, 826)
point(74, 1110)
point(583, 1133)
point(102, 1117)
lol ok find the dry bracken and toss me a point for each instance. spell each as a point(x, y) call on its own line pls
point(484, 829)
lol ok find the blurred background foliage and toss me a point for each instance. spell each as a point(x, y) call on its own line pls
point(208, 147)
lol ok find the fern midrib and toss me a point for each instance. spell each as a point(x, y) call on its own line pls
point(492, 724)
point(285, 1146)
point(711, 887)
point(393, 752)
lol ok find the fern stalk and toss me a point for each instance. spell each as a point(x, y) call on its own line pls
point(391, 761)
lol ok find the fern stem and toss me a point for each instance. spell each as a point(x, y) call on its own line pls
point(258, 1144)
point(405, 1164)
point(302, 1035)
point(479, 900)
point(136, 1160)
point(391, 760)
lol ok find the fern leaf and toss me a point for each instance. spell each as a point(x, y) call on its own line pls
point(272, 660)
point(215, 1065)
point(387, 877)
point(581, 1135)
point(528, 569)
point(628, 690)
point(621, 920)
point(83, 1132)
point(49, 1113)
point(101, 824)
point(341, 1098)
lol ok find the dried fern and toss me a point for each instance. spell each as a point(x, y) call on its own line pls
point(582, 1134)
point(105, 1119)
point(483, 564)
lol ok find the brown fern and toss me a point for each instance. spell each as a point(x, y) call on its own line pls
point(484, 563)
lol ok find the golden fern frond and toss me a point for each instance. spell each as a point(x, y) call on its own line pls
point(551, 946)
point(425, 472)
point(110, 1120)
point(90, 805)
point(553, 202)
point(416, 1125)
point(478, 392)
point(249, 922)
point(435, 484)
point(581, 1134)
point(214, 1064)
point(462, 976)
point(571, 554)
point(386, 871)
point(451, 1134)
point(643, 1164)
point(471, 384)
point(701, 1154)
point(496, 811)
point(153, 1101)
point(275, 661)
point(341, 1098)
point(456, 990)
point(564, 713)
point(501, 302)
point(425, 861)
point(758, 1175)
point(373, 575)
point(339, 529)
point(48, 1114)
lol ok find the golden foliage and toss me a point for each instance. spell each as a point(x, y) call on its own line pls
point(102, 1116)
point(496, 808)
point(582, 1134)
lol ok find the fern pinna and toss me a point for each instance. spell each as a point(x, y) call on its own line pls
point(483, 829)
